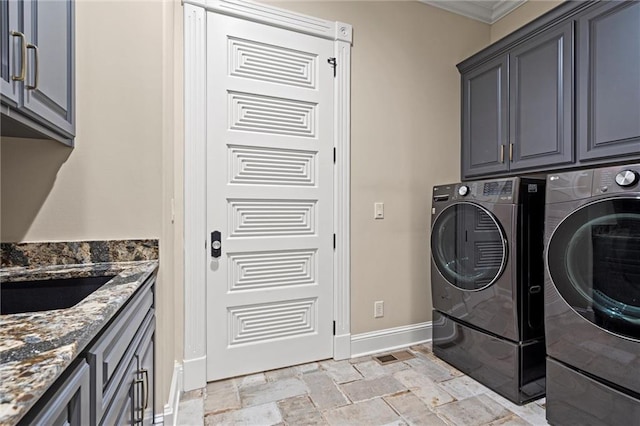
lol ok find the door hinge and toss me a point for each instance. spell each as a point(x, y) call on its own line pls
point(334, 156)
point(334, 328)
point(334, 64)
point(334, 241)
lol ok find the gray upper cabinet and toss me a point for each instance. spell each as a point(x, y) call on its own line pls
point(540, 101)
point(49, 84)
point(572, 84)
point(11, 52)
point(517, 108)
point(38, 69)
point(484, 119)
point(608, 81)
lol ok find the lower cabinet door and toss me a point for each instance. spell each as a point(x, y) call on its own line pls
point(133, 401)
point(122, 408)
point(66, 403)
point(146, 373)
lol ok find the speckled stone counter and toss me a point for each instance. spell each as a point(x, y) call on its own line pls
point(35, 348)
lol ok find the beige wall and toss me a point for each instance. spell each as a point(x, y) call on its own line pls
point(118, 180)
point(110, 185)
point(405, 138)
point(522, 15)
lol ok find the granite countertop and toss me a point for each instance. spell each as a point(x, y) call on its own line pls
point(35, 348)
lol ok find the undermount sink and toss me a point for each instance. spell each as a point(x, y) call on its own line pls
point(44, 295)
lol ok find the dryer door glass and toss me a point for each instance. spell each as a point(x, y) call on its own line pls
point(594, 262)
point(468, 246)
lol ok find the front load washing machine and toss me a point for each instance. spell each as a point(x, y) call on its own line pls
point(486, 282)
point(592, 296)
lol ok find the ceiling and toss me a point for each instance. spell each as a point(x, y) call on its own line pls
point(482, 10)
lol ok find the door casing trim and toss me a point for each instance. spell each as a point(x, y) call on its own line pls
point(195, 228)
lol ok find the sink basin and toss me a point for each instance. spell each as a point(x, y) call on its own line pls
point(44, 295)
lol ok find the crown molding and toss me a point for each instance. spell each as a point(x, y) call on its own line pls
point(484, 11)
point(278, 17)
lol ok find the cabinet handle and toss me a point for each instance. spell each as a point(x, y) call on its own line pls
point(511, 151)
point(23, 65)
point(137, 409)
point(502, 153)
point(36, 67)
point(145, 387)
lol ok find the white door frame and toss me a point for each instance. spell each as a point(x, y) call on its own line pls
point(196, 251)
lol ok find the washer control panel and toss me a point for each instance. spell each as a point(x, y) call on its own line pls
point(500, 188)
point(494, 191)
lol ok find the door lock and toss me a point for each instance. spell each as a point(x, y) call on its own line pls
point(216, 244)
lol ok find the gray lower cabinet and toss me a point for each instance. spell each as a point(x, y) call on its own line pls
point(38, 69)
point(608, 81)
point(112, 381)
point(67, 404)
point(122, 365)
point(517, 107)
point(145, 356)
point(133, 403)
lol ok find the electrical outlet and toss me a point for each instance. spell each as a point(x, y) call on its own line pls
point(378, 309)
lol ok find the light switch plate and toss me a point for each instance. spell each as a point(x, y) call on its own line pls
point(378, 309)
point(378, 210)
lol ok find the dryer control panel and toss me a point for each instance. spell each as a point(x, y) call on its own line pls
point(616, 179)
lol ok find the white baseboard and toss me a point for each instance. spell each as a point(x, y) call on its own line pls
point(194, 373)
point(169, 416)
point(390, 339)
point(342, 347)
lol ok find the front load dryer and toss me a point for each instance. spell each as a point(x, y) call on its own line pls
point(486, 282)
point(592, 295)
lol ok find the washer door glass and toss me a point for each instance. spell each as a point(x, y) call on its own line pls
point(594, 262)
point(468, 246)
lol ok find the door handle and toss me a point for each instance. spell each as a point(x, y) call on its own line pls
point(216, 244)
point(23, 65)
point(502, 153)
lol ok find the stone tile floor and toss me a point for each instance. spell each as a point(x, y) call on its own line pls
point(422, 390)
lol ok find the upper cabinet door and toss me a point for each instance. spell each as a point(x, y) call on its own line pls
point(484, 119)
point(608, 81)
point(540, 100)
point(10, 51)
point(49, 85)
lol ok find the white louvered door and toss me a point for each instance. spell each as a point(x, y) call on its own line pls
point(270, 195)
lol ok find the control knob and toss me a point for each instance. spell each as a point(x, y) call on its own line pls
point(463, 190)
point(627, 178)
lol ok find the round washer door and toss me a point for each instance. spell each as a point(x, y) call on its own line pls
point(593, 258)
point(468, 246)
